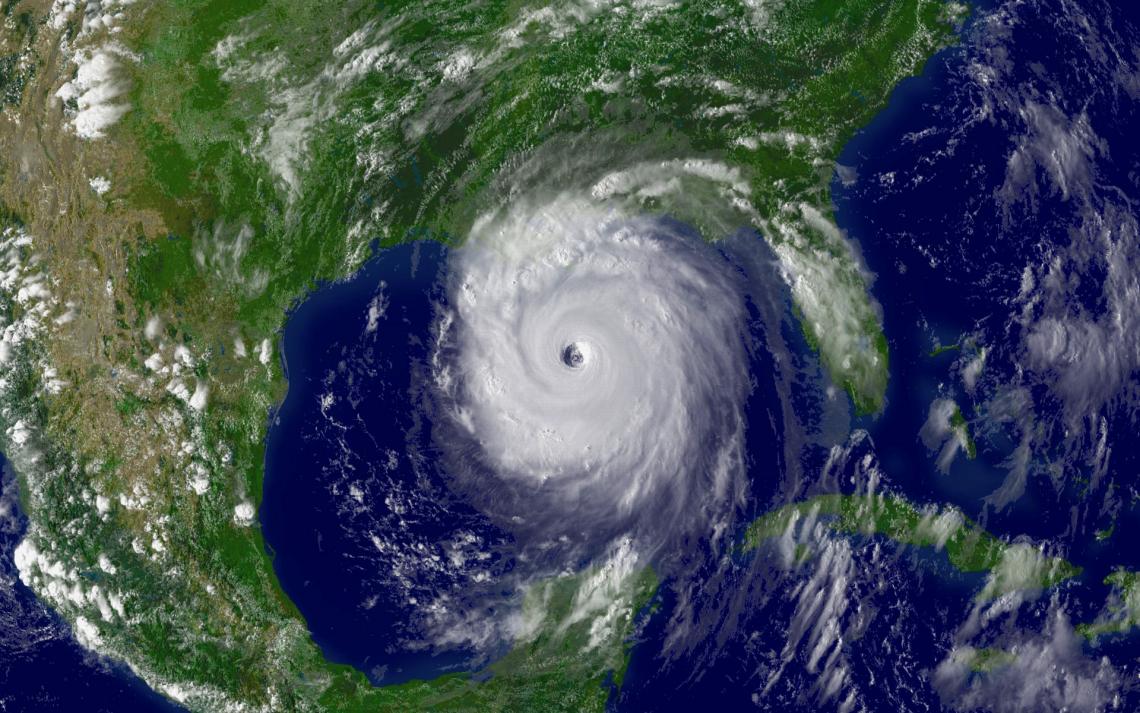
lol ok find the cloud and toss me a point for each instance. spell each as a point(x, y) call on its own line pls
point(95, 90)
point(1045, 673)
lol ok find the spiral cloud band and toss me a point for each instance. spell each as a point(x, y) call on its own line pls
point(597, 366)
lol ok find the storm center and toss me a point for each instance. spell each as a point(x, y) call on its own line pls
point(572, 355)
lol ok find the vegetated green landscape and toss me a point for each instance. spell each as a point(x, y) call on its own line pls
point(1124, 613)
point(265, 147)
point(968, 548)
point(961, 429)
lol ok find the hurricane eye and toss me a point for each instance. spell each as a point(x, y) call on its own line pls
point(572, 356)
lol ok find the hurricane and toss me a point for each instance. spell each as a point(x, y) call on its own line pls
point(593, 365)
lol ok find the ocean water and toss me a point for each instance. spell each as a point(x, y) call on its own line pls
point(337, 456)
point(948, 247)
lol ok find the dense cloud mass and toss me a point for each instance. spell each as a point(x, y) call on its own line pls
point(594, 365)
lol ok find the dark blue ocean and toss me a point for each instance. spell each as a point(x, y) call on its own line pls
point(318, 452)
point(948, 263)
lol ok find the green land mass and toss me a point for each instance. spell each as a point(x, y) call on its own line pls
point(1124, 614)
point(258, 148)
point(990, 659)
point(969, 548)
point(558, 667)
point(1011, 567)
point(982, 661)
point(961, 428)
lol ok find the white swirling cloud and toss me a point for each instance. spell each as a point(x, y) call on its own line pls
point(598, 363)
